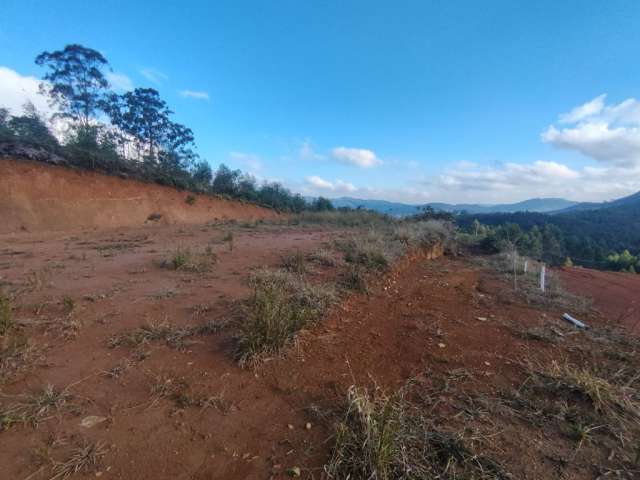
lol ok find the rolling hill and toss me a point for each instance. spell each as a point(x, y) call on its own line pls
point(403, 209)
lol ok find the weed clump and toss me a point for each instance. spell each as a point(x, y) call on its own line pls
point(324, 257)
point(280, 305)
point(87, 459)
point(385, 437)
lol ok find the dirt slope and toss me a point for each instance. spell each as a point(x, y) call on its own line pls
point(39, 197)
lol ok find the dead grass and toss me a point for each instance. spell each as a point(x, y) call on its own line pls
point(355, 279)
point(179, 337)
point(280, 305)
point(324, 257)
point(34, 409)
point(6, 315)
point(187, 260)
point(85, 459)
point(17, 354)
point(294, 263)
point(385, 437)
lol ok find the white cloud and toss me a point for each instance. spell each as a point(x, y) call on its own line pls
point(359, 157)
point(119, 81)
point(608, 134)
point(194, 94)
point(247, 160)
point(16, 90)
point(153, 75)
point(339, 186)
point(307, 153)
point(592, 107)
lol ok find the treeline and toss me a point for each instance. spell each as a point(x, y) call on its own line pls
point(557, 244)
point(130, 135)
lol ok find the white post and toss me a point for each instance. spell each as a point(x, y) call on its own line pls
point(542, 275)
point(526, 264)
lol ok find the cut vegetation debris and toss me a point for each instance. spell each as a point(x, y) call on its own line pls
point(85, 459)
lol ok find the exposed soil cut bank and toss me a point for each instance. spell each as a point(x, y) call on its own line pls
point(38, 197)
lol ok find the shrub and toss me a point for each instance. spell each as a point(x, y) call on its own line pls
point(187, 260)
point(324, 257)
point(190, 200)
point(355, 279)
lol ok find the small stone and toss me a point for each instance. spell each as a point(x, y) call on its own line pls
point(290, 427)
point(92, 421)
point(481, 319)
point(308, 426)
point(487, 364)
point(294, 472)
point(441, 345)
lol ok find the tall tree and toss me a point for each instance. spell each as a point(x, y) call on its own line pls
point(143, 115)
point(75, 82)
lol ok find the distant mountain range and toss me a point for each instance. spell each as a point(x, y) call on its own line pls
point(542, 205)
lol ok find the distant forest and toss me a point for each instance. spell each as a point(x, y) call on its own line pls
point(605, 238)
point(132, 135)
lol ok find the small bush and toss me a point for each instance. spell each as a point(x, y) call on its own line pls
point(191, 199)
point(33, 409)
point(154, 217)
point(228, 237)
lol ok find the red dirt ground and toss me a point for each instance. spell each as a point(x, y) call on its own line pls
point(39, 197)
point(420, 320)
point(616, 295)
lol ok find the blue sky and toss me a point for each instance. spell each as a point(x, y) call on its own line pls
point(414, 101)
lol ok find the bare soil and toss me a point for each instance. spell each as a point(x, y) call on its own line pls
point(444, 321)
point(616, 295)
point(37, 197)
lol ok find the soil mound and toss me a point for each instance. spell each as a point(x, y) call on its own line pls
point(39, 197)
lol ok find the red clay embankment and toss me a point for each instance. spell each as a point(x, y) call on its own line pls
point(39, 197)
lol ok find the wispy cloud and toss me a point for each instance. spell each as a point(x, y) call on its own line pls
point(119, 81)
point(199, 95)
point(338, 186)
point(308, 153)
point(360, 157)
point(153, 75)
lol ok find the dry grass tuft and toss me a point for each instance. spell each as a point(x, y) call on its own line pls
point(33, 409)
point(173, 336)
point(85, 459)
point(295, 263)
point(385, 437)
point(17, 353)
point(6, 315)
point(280, 305)
point(187, 260)
point(324, 257)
